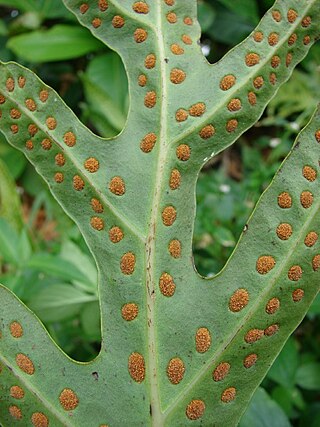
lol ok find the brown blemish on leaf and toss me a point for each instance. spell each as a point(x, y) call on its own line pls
point(169, 2)
point(128, 263)
point(273, 39)
point(84, 8)
point(96, 22)
point(150, 61)
point(129, 312)
point(182, 115)
point(176, 49)
point(78, 183)
point(306, 22)
point(276, 15)
point(91, 164)
point(96, 205)
point(258, 82)
point(97, 223)
point(265, 264)
point(221, 371)
point(292, 39)
point(177, 76)
point(38, 419)
point(252, 59)
point(175, 370)
point(316, 262)
point(150, 99)
point(29, 145)
point(273, 305)
point(297, 295)
point(68, 399)
point(117, 186)
point(195, 409)
point(142, 80)
point(51, 123)
point(239, 300)
point(228, 395)
point(140, 35)
point(25, 364)
point(15, 412)
point(46, 144)
point(258, 36)
point(273, 78)
point(59, 177)
point(292, 15)
point(175, 179)
point(252, 98)
point(306, 40)
point(32, 129)
point(171, 17)
point(175, 248)
point(186, 39)
point(10, 84)
point(288, 59)
point(167, 285)
point(2, 99)
point(227, 82)
point(15, 114)
point(317, 135)
point(232, 125)
point(188, 21)
point(253, 335)
point(60, 160)
point(118, 21)
point(148, 142)
point(284, 200)
point(16, 392)
point(183, 152)
point(295, 273)
point(136, 367)
point(30, 104)
point(169, 215)
point(16, 330)
point(103, 5)
point(311, 239)
point(197, 110)
point(21, 82)
point(250, 360)
point(306, 199)
point(284, 231)
point(207, 132)
point(275, 61)
point(14, 129)
point(271, 330)
point(116, 234)
point(140, 7)
point(203, 340)
point(234, 105)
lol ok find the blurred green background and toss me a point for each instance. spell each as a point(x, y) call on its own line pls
point(43, 257)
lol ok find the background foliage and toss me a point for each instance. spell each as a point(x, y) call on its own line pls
point(43, 257)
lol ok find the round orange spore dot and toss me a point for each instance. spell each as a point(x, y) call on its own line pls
point(176, 49)
point(30, 104)
point(306, 40)
point(15, 412)
point(284, 200)
point(253, 335)
point(197, 110)
point(16, 392)
point(169, 2)
point(297, 295)
point(21, 82)
point(150, 61)
point(2, 99)
point(292, 15)
point(129, 312)
point(46, 144)
point(10, 84)
point(306, 199)
point(25, 364)
point(186, 39)
point(316, 262)
point(258, 36)
point(96, 22)
point(96, 205)
point(136, 367)
point(250, 360)
point(195, 409)
point(140, 35)
point(142, 80)
point(167, 285)
point(182, 115)
point(150, 99)
point(258, 82)
point(38, 419)
point(59, 177)
point(292, 39)
point(317, 135)
point(272, 306)
point(252, 59)
point(118, 21)
point(227, 82)
point(234, 105)
point(148, 142)
point(60, 160)
point(239, 300)
point(68, 399)
point(29, 145)
point(207, 132)
point(306, 22)
point(140, 7)
point(16, 330)
point(311, 239)
point(78, 183)
point(51, 123)
point(175, 248)
point(169, 215)
point(221, 371)
point(309, 173)
point(232, 125)
point(14, 129)
point(252, 98)
point(175, 179)
point(228, 395)
point(265, 264)
point(175, 370)
point(116, 234)
point(117, 186)
point(271, 330)
point(273, 39)
point(172, 18)
point(284, 231)
point(188, 21)
point(276, 15)
point(97, 223)
point(83, 8)
point(32, 129)
point(183, 152)
point(275, 61)
point(288, 59)
point(128, 263)
point(273, 78)
point(203, 340)
point(91, 164)
point(103, 5)
point(295, 273)
point(177, 76)
point(15, 114)
point(43, 95)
